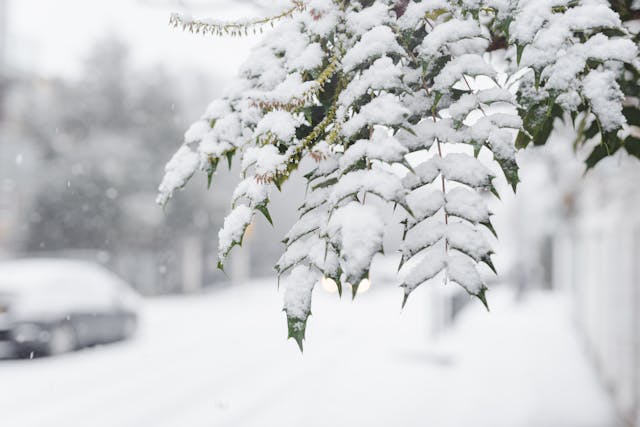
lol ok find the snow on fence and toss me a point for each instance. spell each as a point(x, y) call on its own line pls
point(598, 258)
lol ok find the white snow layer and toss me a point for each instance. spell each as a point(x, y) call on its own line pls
point(233, 229)
point(359, 231)
point(180, 168)
point(378, 41)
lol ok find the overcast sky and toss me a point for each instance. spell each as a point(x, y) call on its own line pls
point(50, 37)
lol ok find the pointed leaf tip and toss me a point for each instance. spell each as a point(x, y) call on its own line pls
point(354, 291)
point(296, 328)
point(404, 300)
point(482, 297)
point(519, 51)
point(265, 211)
point(298, 341)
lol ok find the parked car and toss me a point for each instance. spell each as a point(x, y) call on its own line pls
point(49, 307)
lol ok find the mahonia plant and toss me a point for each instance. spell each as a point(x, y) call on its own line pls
point(405, 106)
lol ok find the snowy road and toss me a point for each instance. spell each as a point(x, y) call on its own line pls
point(222, 360)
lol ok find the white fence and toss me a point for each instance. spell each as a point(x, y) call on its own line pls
point(598, 256)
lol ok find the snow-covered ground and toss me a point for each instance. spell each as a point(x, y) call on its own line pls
point(222, 360)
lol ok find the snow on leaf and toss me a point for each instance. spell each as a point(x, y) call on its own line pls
point(298, 286)
point(266, 160)
point(232, 231)
point(424, 134)
point(381, 146)
point(385, 109)
point(323, 19)
point(308, 59)
point(425, 173)
point(217, 109)
point(382, 183)
point(357, 230)
point(496, 94)
point(462, 270)
point(447, 32)
point(424, 204)
point(383, 74)
point(295, 253)
point(454, 70)
point(416, 12)
point(362, 21)
point(460, 109)
point(364, 90)
point(305, 225)
point(375, 43)
point(292, 88)
point(252, 191)
point(178, 171)
point(468, 240)
point(281, 124)
point(314, 200)
point(429, 264)
point(196, 131)
point(466, 170)
point(467, 204)
point(602, 90)
point(424, 235)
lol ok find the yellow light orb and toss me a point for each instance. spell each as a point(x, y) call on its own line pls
point(329, 285)
point(364, 286)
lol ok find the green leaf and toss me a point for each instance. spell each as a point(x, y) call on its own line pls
point(510, 169)
point(481, 295)
point(537, 123)
point(327, 183)
point(338, 282)
point(476, 149)
point(519, 50)
point(494, 191)
point(522, 140)
point(297, 328)
point(632, 114)
point(229, 155)
point(609, 144)
point(265, 211)
point(354, 291)
point(542, 134)
point(437, 99)
point(405, 298)
point(213, 165)
point(537, 76)
point(592, 130)
point(489, 226)
point(407, 165)
point(487, 260)
point(632, 145)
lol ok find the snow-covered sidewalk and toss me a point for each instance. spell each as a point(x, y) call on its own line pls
point(222, 360)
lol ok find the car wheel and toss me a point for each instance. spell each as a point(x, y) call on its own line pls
point(62, 340)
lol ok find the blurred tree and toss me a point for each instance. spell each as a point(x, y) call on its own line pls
point(104, 140)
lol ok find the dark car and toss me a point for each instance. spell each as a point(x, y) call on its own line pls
point(49, 307)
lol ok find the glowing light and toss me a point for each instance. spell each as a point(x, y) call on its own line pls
point(364, 286)
point(329, 285)
point(249, 231)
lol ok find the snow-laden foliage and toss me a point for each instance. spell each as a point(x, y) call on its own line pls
point(396, 102)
